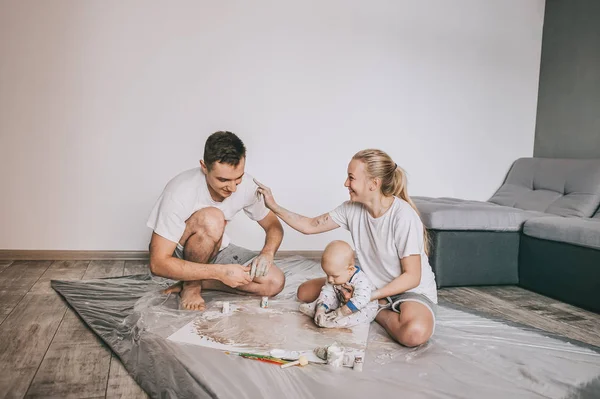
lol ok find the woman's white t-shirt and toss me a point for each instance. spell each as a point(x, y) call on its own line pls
point(381, 242)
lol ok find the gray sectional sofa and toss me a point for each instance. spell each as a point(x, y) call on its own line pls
point(540, 230)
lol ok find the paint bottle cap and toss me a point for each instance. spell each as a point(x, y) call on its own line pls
point(358, 363)
point(264, 302)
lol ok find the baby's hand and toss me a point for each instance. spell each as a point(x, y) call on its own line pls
point(328, 320)
point(320, 319)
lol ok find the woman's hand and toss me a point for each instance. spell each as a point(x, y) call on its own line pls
point(375, 294)
point(267, 195)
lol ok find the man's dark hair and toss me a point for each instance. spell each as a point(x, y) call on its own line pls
point(223, 147)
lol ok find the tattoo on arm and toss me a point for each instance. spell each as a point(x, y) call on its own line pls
point(304, 224)
point(321, 220)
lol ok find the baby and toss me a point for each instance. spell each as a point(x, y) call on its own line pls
point(345, 299)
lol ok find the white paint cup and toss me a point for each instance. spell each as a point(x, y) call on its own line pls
point(335, 356)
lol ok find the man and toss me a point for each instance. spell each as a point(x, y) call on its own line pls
point(188, 222)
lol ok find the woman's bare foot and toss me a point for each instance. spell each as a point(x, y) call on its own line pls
point(190, 296)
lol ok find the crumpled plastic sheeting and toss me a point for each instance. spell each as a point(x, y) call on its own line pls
point(470, 356)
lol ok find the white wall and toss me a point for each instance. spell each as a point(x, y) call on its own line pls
point(102, 102)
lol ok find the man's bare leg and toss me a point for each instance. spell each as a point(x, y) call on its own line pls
point(195, 250)
point(201, 241)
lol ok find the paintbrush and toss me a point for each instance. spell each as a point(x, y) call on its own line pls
point(275, 359)
point(263, 358)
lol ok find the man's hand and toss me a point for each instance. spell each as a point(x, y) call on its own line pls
point(235, 275)
point(267, 195)
point(260, 265)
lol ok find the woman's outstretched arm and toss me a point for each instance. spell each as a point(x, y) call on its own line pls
point(303, 224)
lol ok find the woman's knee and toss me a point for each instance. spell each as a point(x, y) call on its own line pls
point(414, 334)
point(210, 222)
point(303, 293)
point(309, 290)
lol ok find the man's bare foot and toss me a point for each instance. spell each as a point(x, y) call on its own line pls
point(174, 289)
point(190, 296)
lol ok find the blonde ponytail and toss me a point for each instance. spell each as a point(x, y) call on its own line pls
point(400, 190)
point(379, 165)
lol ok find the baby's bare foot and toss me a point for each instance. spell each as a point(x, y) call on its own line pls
point(308, 309)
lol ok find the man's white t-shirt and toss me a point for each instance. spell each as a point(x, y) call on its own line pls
point(381, 242)
point(188, 192)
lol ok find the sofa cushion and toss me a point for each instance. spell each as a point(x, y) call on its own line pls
point(564, 187)
point(577, 231)
point(458, 214)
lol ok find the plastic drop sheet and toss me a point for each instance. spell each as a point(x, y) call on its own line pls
point(470, 356)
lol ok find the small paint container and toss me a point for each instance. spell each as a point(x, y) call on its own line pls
point(225, 307)
point(264, 302)
point(335, 356)
point(358, 363)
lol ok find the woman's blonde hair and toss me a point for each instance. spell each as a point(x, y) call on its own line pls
point(379, 164)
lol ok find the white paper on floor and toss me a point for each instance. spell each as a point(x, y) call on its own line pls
point(249, 328)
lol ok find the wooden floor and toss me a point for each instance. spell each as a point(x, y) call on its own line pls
point(46, 351)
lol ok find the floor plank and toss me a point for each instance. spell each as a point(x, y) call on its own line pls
point(25, 336)
point(77, 363)
point(104, 268)
point(4, 264)
point(519, 305)
point(567, 316)
point(60, 270)
point(136, 267)
point(16, 280)
point(121, 384)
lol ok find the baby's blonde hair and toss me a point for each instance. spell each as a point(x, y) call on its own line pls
point(339, 250)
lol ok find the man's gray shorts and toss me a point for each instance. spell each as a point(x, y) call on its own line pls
point(231, 254)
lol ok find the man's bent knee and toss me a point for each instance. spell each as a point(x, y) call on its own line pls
point(209, 222)
point(272, 284)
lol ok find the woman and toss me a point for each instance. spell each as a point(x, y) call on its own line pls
point(390, 242)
